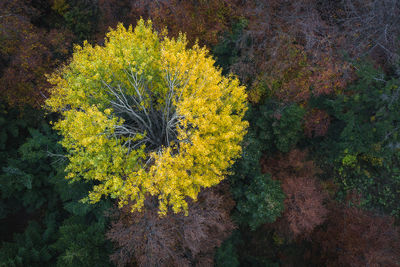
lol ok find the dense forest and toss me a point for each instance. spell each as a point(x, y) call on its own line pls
point(281, 149)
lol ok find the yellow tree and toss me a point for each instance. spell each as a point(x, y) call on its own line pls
point(144, 115)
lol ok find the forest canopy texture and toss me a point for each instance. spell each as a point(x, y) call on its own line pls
point(199, 133)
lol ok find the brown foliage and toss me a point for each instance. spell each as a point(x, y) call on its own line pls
point(289, 45)
point(304, 203)
point(321, 29)
point(353, 237)
point(292, 164)
point(361, 27)
point(289, 52)
point(304, 208)
point(316, 123)
point(126, 11)
point(204, 20)
point(27, 54)
point(371, 27)
point(293, 75)
point(269, 21)
point(176, 239)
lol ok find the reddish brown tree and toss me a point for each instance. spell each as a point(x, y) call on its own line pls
point(27, 53)
point(126, 11)
point(289, 52)
point(174, 240)
point(353, 237)
point(304, 203)
point(203, 20)
point(292, 164)
point(316, 123)
point(270, 24)
point(292, 47)
point(294, 75)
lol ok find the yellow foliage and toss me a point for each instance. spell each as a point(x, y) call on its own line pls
point(60, 6)
point(210, 109)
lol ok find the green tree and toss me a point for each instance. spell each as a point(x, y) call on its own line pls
point(42, 221)
point(259, 199)
point(279, 126)
point(80, 17)
point(362, 148)
point(227, 253)
point(226, 51)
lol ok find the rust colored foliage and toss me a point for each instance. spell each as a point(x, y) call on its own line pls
point(174, 240)
point(289, 73)
point(360, 27)
point(304, 208)
point(27, 54)
point(288, 52)
point(316, 123)
point(304, 203)
point(204, 20)
point(293, 75)
point(292, 164)
point(353, 237)
point(126, 11)
point(289, 45)
point(269, 21)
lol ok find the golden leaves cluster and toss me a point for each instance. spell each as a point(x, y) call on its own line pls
point(211, 108)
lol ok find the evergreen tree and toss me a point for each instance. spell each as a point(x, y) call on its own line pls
point(363, 143)
point(43, 222)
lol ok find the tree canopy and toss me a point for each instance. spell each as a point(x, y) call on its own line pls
point(145, 115)
point(150, 130)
